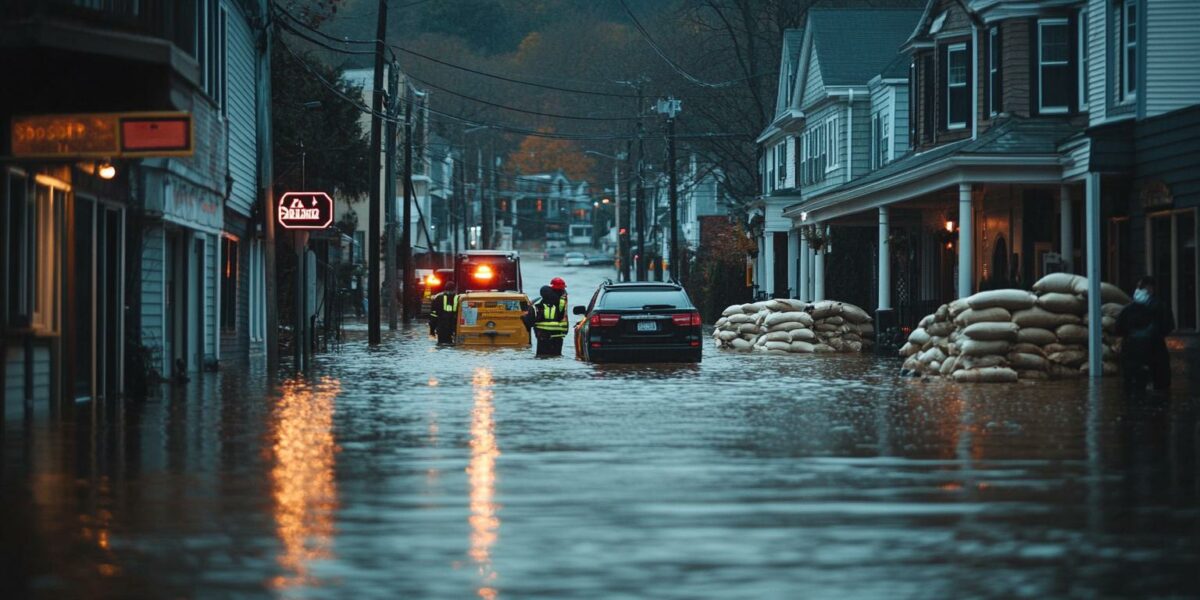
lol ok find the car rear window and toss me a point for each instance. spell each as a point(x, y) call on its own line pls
point(641, 297)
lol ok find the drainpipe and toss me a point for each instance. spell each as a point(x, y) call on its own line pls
point(850, 135)
point(974, 80)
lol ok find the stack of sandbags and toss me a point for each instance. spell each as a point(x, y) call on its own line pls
point(783, 326)
point(739, 326)
point(1006, 335)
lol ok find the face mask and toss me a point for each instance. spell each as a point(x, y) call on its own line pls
point(1141, 296)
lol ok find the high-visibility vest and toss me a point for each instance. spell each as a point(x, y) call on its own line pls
point(551, 318)
point(449, 304)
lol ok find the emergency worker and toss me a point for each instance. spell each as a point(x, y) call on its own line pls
point(443, 314)
point(1143, 326)
point(550, 318)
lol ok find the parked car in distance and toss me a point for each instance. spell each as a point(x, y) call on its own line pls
point(574, 259)
point(597, 260)
point(553, 254)
point(636, 321)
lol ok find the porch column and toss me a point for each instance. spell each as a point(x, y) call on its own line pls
point(1092, 228)
point(966, 239)
point(819, 275)
point(885, 260)
point(758, 264)
point(793, 257)
point(803, 293)
point(769, 263)
point(1066, 231)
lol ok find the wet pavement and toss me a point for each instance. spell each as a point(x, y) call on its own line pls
point(412, 471)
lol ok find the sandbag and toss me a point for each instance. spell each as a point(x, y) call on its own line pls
point(1009, 299)
point(1060, 283)
point(1057, 371)
point(851, 337)
point(1112, 309)
point(826, 308)
point(802, 335)
point(925, 321)
point(787, 326)
point(986, 375)
point(948, 366)
point(734, 309)
point(760, 317)
point(852, 346)
point(834, 320)
point(1027, 348)
point(957, 307)
point(910, 364)
point(983, 362)
point(1036, 336)
point(940, 328)
point(739, 318)
point(1072, 334)
point(823, 348)
point(782, 346)
point(1062, 303)
point(1021, 360)
point(919, 337)
point(794, 304)
point(866, 329)
point(1110, 293)
point(932, 355)
point(1033, 375)
point(747, 328)
point(855, 314)
point(741, 345)
point(749, 309)
point(992, 330)
point(1056, 347)
point(1042, 318)
point(829, 328)
point(759, 306)
point(1070, 358)
point(778, 336)
point(942, 313)
point(726, 336)
point(790, 316)
point(777, 305)
point(837, 344)
point(909, 349)
point(972, 316)
point(979, 348)
point(804, 347)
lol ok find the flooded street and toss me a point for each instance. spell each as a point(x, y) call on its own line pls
point(413, 471)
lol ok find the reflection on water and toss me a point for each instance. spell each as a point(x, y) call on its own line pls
point(302, 478)
point(481, 473)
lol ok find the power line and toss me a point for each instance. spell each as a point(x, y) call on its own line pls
point(427, 83)
point(675, 66)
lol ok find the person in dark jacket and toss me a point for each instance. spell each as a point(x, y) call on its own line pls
point(443, 314)
point(1143, 326)
point(550, 318)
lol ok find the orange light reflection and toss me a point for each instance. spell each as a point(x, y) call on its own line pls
point(302, 480)
point(481, 476)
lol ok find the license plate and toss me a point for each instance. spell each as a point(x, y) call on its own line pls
point(647, 326)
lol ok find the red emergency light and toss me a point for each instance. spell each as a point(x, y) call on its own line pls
point(483, 273)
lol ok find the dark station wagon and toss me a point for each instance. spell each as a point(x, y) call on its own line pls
point(639, 321)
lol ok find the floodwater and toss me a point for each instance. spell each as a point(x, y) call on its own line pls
point(412, 471)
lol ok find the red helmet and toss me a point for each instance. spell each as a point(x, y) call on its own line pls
point(558, 283)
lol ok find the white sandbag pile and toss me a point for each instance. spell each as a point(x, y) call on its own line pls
point(1010, 335)
point(783, 326)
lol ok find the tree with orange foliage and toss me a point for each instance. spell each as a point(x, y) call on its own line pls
point(545, 155)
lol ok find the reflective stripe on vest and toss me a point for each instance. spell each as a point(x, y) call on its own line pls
point(550, 318)
point(447, 305)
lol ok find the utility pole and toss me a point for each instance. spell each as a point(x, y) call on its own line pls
point(466, 208)
point(406, 239)
point(627, 206)
point(641, 193)
point(389, 193)
point(266, 189)
point(487, 215)
point(373, 334)
point(670, 107)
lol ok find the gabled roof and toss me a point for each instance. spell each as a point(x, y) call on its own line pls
point(854, 45)
point(793, 43)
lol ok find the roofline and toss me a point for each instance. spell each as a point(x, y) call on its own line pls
point(937, 167)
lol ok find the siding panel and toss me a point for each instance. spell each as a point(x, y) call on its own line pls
point(1097, 60)
point(242, 121)
point(1015, 68)
point(814, 85)
point(1172, 45)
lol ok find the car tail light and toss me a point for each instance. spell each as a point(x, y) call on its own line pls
point(595, 344)
point(694, 343)
point(691, 319)
point(600, 320)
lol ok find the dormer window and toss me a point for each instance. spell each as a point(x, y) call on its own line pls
point(1127, 23)
point(958, 95)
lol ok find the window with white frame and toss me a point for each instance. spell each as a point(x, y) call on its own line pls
point(832, 144)
point(880, 139)
point(1081, 51)
point(995, 92)
point(958, 96)
point(1054, 66)
point(1127, 23)
point(771, 170)
point(781, 162)
point(211, 40)
point(32, 218)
